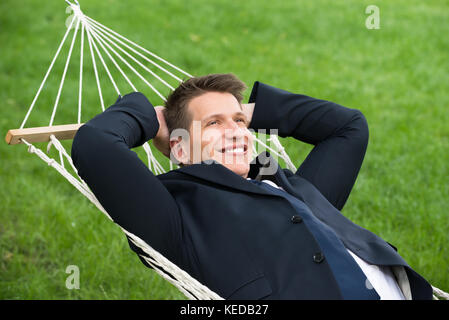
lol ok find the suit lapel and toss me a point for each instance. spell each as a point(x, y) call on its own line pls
point(278, 177)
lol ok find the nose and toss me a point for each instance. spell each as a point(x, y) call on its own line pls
point(234, 131)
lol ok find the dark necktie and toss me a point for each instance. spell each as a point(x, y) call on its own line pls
point(352, 281)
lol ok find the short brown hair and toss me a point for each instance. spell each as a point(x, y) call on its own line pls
point(176, 113)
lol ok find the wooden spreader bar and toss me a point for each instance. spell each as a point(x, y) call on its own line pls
point(42, 134)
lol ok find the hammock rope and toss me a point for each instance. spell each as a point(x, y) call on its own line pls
point(101, 36)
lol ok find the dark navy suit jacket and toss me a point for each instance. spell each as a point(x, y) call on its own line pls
point(231, 235)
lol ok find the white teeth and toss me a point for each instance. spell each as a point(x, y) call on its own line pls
point(236, 150)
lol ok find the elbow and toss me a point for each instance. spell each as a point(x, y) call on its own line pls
point(78, 141)
point(80, 146)
point(364, 128)
point(359, 125)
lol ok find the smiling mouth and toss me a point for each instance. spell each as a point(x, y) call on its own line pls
point(236, 149)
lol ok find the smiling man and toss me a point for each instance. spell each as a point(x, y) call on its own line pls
point(242, 230)
point(215, 117)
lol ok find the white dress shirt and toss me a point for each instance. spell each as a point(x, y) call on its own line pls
point(381, 278)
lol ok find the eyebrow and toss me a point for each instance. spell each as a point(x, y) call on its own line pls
point(220, 115)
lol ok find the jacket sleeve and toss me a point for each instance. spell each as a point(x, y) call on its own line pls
point(134, 198)
point(339, 135)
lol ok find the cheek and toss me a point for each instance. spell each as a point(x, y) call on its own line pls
point(209, 140)
point(250, 139)
point(250, 142)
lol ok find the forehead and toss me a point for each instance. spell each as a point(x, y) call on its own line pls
point(213, 103)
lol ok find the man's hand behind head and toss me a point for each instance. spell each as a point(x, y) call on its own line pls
point(162, 139)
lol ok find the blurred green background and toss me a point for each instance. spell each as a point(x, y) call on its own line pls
point(396, 75)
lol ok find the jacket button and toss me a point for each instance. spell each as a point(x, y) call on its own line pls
point(318, 257)
point(296, 219)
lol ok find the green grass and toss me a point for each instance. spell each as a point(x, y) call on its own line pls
point(396, 75)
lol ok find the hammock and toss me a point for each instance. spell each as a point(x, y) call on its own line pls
point(100, 40)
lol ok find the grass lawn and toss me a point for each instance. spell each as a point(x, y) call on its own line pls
point(396, 75)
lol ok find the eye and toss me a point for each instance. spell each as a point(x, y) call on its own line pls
point(212, 122)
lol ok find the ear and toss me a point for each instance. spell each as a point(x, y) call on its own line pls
point(180, 150)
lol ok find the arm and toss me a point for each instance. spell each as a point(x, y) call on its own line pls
point(125, 187)
point(339, 134)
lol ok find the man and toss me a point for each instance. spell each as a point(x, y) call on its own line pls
point(243, 230)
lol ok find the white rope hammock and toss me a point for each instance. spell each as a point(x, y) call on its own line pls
point(101, 39)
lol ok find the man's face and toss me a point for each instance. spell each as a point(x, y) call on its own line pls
point(220, 128)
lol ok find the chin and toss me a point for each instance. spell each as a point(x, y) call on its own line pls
point(239, 165)
point(241, 170)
